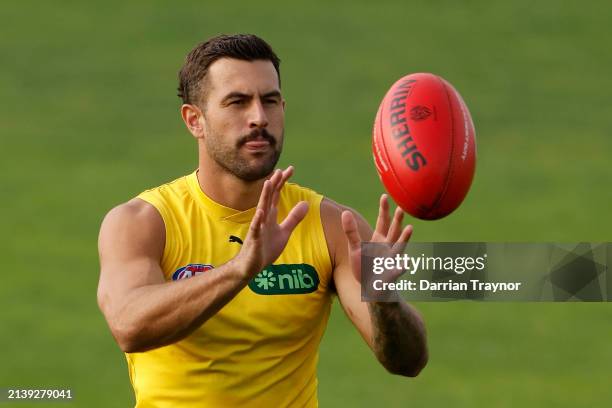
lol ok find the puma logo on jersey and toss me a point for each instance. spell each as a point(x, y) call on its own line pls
point(233, 238)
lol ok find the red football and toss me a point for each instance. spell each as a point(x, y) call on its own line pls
point(424, 147)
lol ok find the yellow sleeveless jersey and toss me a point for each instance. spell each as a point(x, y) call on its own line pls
point(260, 349)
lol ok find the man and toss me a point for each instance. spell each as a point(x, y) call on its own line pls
point(218, 285)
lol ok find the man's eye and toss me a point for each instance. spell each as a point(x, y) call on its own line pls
point(271, 101)
point(237, 102)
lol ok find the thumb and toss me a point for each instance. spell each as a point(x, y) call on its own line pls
point(295, 216)
point(349, 225)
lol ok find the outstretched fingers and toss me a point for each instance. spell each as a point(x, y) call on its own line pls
point(400, 245)
point(268, 200)
point(262, 210)
point(284, 176)
point(265, 197)
point(295, 216)
point(256, 224)
point(396, 226)
point(275, 180)
point(382, 222)
point(349, 225)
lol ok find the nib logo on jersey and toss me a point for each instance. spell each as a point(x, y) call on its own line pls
point(285, 279)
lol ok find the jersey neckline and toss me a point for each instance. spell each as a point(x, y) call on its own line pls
point(214, 208)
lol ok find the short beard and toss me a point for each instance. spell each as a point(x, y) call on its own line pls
point(230, 159)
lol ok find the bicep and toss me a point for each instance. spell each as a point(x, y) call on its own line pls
point(130, 245)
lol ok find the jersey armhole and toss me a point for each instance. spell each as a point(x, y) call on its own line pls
point(158, 204)
point(325, 255)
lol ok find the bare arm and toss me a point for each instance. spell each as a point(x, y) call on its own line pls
point(399, 340)
point(394, 330)
point(142, 309)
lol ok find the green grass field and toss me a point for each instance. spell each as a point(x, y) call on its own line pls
point(89, 118)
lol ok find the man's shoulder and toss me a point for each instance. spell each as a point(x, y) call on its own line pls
point(331, 212)
point(134, 212)
point(331, 218)
point(144, 207)
point(330, 209)
point(170, 196)
point(175, 186)
point(135, 224)
point(297, 192)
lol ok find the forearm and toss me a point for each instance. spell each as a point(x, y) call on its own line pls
point(156, 315)
point(398, 337)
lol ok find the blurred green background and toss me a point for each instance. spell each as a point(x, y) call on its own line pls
point(89, 118)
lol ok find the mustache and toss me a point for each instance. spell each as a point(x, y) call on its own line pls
point(257, 134)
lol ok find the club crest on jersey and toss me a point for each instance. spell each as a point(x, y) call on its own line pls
point(190, 270)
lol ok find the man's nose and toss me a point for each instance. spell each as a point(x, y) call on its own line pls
point(257, 115)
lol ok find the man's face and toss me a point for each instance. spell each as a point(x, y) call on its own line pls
point(244, 116)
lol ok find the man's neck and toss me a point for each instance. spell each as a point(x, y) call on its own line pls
point(227, 189)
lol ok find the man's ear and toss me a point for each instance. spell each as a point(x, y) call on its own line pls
point(194, 120)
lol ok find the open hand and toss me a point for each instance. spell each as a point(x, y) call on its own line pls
point(387, 232)
point(266, 238)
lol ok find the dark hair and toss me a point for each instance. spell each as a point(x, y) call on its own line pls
point(246, 47)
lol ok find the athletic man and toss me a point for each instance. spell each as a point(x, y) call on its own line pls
point(218, 285)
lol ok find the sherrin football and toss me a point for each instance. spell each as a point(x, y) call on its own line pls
point(424, 146)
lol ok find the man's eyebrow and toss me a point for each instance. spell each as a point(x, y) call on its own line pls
point(240, 95)
point(272, 94)
point(236, 94)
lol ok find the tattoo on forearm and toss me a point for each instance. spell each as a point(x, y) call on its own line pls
point(398, 337)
